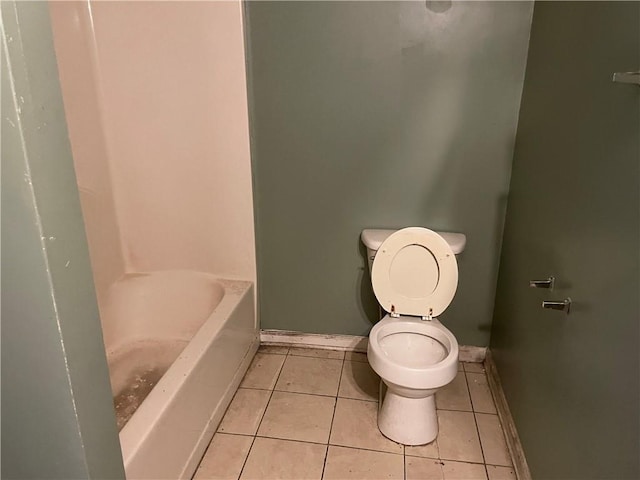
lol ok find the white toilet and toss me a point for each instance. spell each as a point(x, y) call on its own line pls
point(414, 274)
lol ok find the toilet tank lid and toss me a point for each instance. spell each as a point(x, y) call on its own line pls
point(373, 238)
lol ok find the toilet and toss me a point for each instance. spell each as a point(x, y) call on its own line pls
point(414, 275)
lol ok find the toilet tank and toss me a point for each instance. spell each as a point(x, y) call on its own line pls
point(373, 238)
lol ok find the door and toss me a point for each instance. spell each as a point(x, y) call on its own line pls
point(572, 380)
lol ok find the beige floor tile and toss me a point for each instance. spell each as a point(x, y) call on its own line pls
point(359, 381)
point(263, 371)
point(458, 437)
point(317, 352)
point(461, 470)
point(460, 367)
point(319, 376)
point(351, 463)
point(271, 459)
point(494, 445)
point(224, 457)
point(481, 397)
point(356, 357)
point(295, 416)
point(501, 473)
point(474, 367)
point(245, 411)
point(430, 450)
point(355, 425)
point(423, 469)
point(454, 396)
point(275, 349)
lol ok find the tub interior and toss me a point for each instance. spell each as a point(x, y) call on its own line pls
point(135, 369)
point(148, 321)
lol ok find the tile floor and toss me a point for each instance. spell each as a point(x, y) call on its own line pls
point(311, 414)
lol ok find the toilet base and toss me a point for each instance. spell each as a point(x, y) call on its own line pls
point(410, 421)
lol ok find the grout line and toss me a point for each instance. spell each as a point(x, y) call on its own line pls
point(247, 457)
point(365, 449)
point(330, 396)
point(473, 407)
point(441, 464)
point(475, 421)
point(255, 388)
point(361, 399)
point(439, 459)
point(330, 445)
point(326, 455)
point(309, 442)
point(307, 393)
point(217, 431)
point(466, 379)
point(204, 454)
point(404, 462)
point(335, 406)
point(260, 422)
point(404, 447)
point(460, 461)
point(454, 410)
point(235, 434)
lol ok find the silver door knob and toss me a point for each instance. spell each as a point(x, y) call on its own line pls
point(564, 305)
point(548, 283)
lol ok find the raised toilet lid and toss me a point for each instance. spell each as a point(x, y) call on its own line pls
point(415, 273)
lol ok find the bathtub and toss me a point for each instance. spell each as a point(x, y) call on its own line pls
point(188, 337)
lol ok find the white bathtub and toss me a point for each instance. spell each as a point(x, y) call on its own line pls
point(209, 324)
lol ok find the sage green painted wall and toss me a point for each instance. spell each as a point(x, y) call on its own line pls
point(57, 412)
point(572, 382)
point(379, 115)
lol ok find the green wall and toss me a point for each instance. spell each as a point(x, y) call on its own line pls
point(572, 382)
point(57, 413)
point(379, 115)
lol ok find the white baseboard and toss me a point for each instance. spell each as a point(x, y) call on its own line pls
point(349, 343)
point(471, 354)
point(287, 338)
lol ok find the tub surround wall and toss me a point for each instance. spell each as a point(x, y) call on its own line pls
point(173, 81)
point(379, 115)
point(82, 104)
point(156, 101)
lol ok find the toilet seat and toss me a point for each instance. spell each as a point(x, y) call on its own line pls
point(415, 273)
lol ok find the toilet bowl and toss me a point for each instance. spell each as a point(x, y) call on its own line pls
point(414, 358)
point(414, 276)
